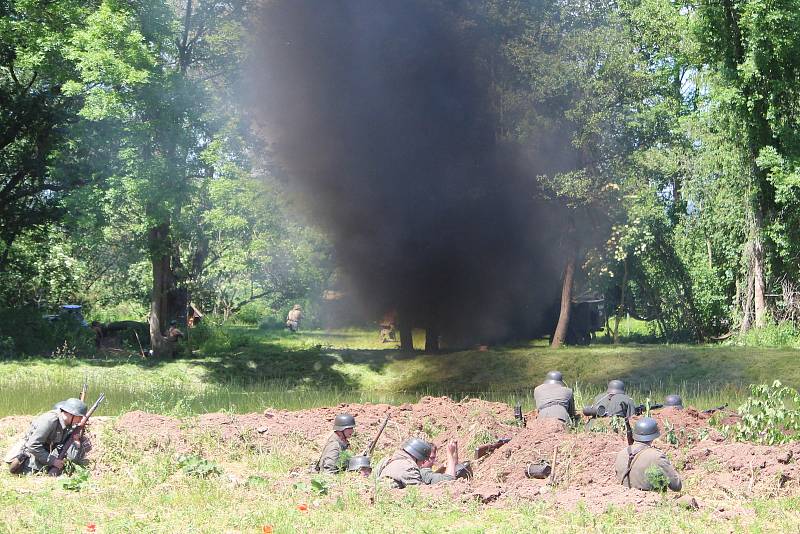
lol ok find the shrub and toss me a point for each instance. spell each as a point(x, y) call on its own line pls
point(657, 478)
point(32, 334)
point(782, 334)
point(766, 418)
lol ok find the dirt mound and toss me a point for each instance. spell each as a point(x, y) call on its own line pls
point(721, 474)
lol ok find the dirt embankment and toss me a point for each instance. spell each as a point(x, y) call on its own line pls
point(720, 474)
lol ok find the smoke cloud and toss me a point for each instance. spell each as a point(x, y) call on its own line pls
point(381, 112)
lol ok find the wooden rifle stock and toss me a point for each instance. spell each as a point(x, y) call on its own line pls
point(84, 389)
point(483, 450)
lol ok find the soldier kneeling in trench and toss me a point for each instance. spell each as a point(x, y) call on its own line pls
point(39, 448)
point(339, 441)
point(637, 463)
point(411, 465)
point(554, 400)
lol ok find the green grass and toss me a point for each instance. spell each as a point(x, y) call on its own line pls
point(147, 491)
point(254, 369)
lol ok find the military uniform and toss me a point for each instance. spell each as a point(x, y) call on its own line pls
point(402, 470)
point(554, 401)
point(618, 404)
point(41, 440)
point(329, 459)
point(640, 456)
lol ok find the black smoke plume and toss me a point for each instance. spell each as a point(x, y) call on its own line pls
point(381, 112)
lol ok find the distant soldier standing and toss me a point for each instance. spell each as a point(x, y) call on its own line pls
point(294, 317)
point(554, 400)
point(343, 427)
point(634, 461)
point(38, 448)
point(410, 466)
point(615, 402)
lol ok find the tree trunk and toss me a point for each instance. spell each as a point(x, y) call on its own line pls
point(560, 334)
point(621, 308)
point(759, 283)
point(162, 283)
point(432, 339)
point(406, 338)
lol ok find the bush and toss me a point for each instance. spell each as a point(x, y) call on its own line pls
point(783, 334)
point(30, 334)
point(251, 314)
point(766, 418)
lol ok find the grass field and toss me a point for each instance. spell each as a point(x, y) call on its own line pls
point(249, 370)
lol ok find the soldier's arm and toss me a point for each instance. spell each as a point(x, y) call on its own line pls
point(38, 442)
point(429, 477)
point(412, 477)
point(675, 483)
point(329, 461)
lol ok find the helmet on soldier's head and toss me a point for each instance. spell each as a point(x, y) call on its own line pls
point(418, 448)
point(674, 401)
point(645, 430)
point(554, 377)
point(73, 407)
point(343, 421)
point(616, 386)
point(357, 462)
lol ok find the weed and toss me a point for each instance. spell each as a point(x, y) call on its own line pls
point(482, 437)
point(669, 433)
point(657, 478)
point(197, 466)
point(430, 428)
point(78, 480)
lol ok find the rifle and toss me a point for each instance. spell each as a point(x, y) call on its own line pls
point(642, 408)
point(371, 447)
point(717, 409)
point(483, 450)
point(79, 430)
point(518, 415)
point(84, 389)
point(628, 430)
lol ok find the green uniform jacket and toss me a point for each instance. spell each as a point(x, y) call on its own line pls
point(329, 459)
point(40, 441)
point(643, 456)
point(554, 401)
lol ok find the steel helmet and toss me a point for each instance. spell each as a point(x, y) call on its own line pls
point(554, 377)
point(418, 448)
point(616, 386)
point(674, 400)
point(344, 420)
point(358, 462)
point(645, 430)
point(540, 469)
point(73, 406)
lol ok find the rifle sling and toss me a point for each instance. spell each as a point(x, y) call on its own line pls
point(550, 404)
point(631, 458)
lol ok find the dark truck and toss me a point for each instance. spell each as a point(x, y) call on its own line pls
point(587, 316)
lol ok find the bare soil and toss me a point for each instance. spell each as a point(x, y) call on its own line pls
point(721, 475)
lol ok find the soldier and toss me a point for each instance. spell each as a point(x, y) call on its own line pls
point(554, 399)
point(360, 464)
point(634, 460)
point(405, 467)
point(343, 427)
point(293, 318)
point(673, 401)
point(614, 401)
point(174, 333)
point(39, 447)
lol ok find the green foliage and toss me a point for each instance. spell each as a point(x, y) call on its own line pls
point(77, 480)
point(27, 333)
point(783, 334)
point(657, 478)
point(770, 415)
point(198, 466)
point(344, 459)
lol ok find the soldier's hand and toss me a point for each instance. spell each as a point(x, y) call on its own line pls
point(452, 447)
point(58, 464)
